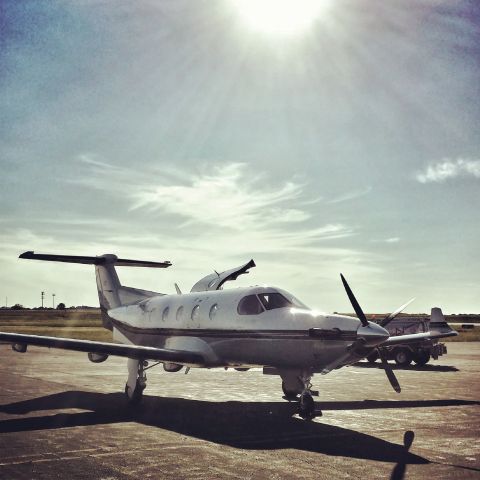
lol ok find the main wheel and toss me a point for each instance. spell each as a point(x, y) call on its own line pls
point(421, 358)
point(373, 357)
point(289, 395)
point(402, 356)
point(136, 397)
point(306, 407)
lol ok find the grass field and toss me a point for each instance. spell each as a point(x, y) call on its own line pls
point(81, 324)
point(87, 325)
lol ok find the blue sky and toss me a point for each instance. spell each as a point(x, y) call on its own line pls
point(174, 130)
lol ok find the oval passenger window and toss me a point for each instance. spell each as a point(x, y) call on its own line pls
point(179, 313)
point(165, 313)
point(213, 311)
point(195, 312)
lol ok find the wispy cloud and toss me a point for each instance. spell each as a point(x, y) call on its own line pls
point(228, 198)
point(386, 240)
point(448, 169)
point(351, 195)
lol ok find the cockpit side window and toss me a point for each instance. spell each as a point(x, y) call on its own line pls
point(249, 305)
point(274, 300)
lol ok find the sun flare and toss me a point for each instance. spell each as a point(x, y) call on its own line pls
point(280, 17)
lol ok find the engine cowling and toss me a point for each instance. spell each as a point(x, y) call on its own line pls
point(97, 357)
point(172, 367)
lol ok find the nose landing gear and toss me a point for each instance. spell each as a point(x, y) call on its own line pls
point(296, 386)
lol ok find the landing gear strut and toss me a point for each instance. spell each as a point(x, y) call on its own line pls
point(136, 382)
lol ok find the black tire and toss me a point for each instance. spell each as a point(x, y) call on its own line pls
point(289, 395)
point(373, 357)
point(421, 358)
point(402, 356)
point(137, 395)
point(306, 407)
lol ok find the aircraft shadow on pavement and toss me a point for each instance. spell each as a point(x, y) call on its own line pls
point(252, 425)
point(415, 368)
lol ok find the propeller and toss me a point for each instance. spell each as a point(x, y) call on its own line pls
point(356, 306)
point(390, 317)
point(381, 353)
point(388, 370)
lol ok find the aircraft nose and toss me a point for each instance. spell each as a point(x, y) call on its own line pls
point(373, 334)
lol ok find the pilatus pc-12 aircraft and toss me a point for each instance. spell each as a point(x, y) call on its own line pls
point(210, 327)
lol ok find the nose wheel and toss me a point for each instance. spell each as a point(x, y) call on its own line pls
point(306, 406)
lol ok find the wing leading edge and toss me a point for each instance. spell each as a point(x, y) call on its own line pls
point(131, 351)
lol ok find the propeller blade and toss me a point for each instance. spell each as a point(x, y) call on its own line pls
point(356, 306)
point(390, 317)
point(389, 372)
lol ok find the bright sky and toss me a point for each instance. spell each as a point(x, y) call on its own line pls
point(337, 136)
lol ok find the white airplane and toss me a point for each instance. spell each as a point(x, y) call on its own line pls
point(210, 327)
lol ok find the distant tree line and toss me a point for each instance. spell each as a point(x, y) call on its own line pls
point(60, 306)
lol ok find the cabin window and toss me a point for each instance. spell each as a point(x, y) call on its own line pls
point(249, 305)
point(195, 312)
point(213, 311)
point(274, 300)
point(179, 313)
point(165, 313)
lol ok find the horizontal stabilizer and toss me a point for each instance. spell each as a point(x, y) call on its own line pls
point(100, 260)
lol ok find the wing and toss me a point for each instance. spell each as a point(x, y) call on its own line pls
point(120, 350)
point(416, 337)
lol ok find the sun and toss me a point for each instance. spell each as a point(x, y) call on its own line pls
point(280, 17)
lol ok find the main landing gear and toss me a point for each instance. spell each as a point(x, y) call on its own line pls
point(136, 382)
point(297, 387)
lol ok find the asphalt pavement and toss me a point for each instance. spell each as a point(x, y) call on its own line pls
point(62, 416)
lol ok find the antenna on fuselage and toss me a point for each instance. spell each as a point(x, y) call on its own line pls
point(177, 288)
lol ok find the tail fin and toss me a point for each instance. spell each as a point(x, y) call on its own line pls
point(438, 324)
point(111, 293)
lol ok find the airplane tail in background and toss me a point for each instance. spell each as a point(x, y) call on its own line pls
point(438, 324)
point(111, 293)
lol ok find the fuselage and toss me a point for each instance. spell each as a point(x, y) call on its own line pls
point(254, 326)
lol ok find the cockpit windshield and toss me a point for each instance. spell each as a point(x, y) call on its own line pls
point(256, 304)
point(274, 300)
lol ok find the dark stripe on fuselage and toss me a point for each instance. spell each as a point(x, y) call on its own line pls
point(218, 333)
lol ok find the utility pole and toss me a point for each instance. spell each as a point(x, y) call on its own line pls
point(43, 296)
point(53, 300)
